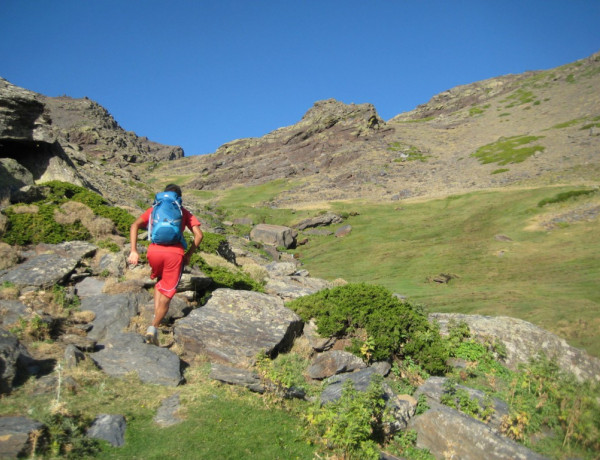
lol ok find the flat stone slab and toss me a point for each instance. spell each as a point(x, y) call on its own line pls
point(235, 326)
point(167, 412)
point(113, 312)
point(53, 265)
point(236, 376)
point(443, 430)
point(15, 436)
point(127, 352)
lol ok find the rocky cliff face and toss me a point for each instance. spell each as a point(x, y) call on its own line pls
point(73, 140)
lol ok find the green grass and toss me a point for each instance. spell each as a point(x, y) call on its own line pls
point(548, 278)
point(219, 421)
point(508, 150)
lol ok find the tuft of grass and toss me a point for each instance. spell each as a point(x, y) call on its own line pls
point(508, 150)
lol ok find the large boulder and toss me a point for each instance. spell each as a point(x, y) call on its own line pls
point(448, 433)
point(524, 341)
point(274, 235)
point(125, 353)
point(235, 326)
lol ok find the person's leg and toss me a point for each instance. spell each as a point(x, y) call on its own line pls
point(161, 307)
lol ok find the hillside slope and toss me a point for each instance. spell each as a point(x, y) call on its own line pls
point(340, 151)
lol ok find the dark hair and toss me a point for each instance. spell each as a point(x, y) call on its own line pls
point(173, 188)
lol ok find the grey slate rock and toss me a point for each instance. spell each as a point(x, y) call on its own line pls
point(110, 428)
point(126, 352)
point(445, 431)
point(113, 312)
point(319, 221)
point(89, 287)
point(274, 235)
point(16, 435)
point(14, 358)
point(433, 389)
point(334, 362)
point(235, 326)
point(524, 341)
point(361, 380)
point(52, 266)
point(11, 311)
point(73, 356)
point(167, 412)
point(292, 287)
point(236, 376)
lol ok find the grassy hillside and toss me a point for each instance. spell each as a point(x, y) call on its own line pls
point(506, 252)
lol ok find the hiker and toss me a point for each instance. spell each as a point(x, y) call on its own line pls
point(167, 255)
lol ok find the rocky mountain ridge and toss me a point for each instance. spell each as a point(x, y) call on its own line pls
point(340, 151)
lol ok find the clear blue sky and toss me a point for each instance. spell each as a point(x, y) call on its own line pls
point(201, 73)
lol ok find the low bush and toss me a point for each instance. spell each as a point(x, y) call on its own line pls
point(394, 328)
point(564, 196)
point(351, 426)
point(37, 223)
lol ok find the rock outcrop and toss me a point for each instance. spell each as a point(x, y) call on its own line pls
point(73, 140)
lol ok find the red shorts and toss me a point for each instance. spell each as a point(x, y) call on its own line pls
point(167, 265)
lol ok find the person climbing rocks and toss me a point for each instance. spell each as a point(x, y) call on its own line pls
point(166, 221)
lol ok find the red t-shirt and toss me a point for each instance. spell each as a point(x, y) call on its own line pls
point(189, 221)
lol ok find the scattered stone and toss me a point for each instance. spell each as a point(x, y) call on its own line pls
point(434, 390)
point(292, 287)
point(14, 359)
point(51, 267)
point(334, 362)
point(110, 428)
point(167, 414)
point(73, 356)
point(82, 342)
point(274, 235)
point(319, 221)
point(11, 311)
point(113, 312)
point(89, 287)
point(343, 231)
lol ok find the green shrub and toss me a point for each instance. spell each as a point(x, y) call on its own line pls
point(40, 227)
point(565, 196)
point(395, 327)
point(352, 425)
point(224, 278)
point(211, 242)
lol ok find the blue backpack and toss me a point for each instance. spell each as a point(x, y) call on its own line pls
point(166, 220)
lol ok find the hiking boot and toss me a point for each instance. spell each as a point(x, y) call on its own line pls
point(152, 336)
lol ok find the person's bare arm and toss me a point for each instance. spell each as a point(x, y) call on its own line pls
point(134, 257)
point(198, 235)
